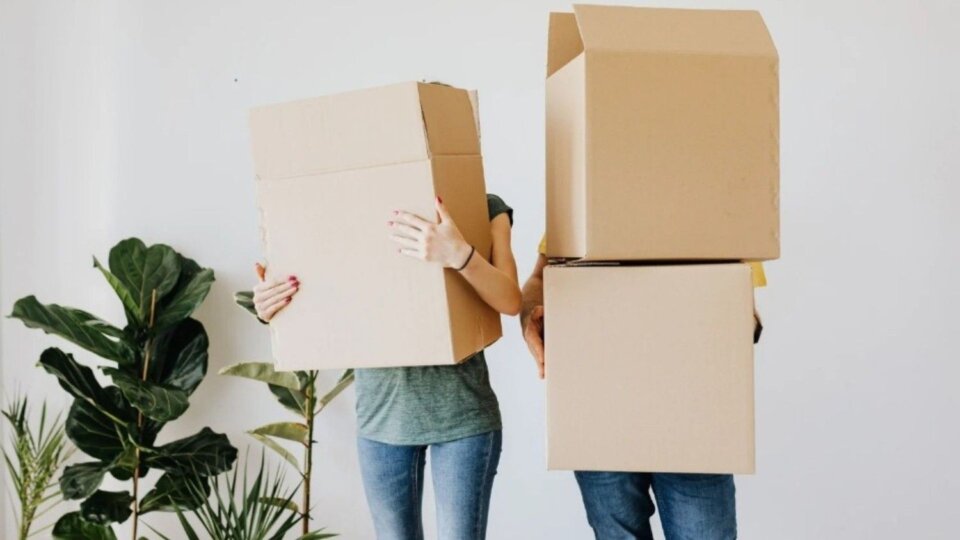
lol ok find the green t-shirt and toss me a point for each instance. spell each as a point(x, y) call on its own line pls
point(431, 404)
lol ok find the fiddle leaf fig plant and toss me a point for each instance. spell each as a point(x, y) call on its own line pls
point(155, 362)
point(297, 392)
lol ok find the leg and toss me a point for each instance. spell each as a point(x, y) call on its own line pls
point(696, 506)
point(463, 472)
point(618, 504)
point(393, 482)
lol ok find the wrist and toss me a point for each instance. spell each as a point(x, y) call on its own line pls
point(461, 256)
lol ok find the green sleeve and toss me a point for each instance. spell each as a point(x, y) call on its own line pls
point(496, 206)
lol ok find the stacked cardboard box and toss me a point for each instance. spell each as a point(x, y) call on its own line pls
point(330, 172)
point(662, 174)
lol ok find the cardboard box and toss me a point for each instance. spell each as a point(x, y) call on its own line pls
point(650, 368)
point(662, 132)
point(330, 172)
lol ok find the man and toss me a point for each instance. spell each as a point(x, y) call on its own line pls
point(619, 504)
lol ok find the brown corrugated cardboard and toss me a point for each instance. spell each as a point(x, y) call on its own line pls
point(330, 173)
point(662, 135)
point(650, 368)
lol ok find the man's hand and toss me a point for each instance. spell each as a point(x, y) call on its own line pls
point(533, 335)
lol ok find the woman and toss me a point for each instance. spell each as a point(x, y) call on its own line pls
point(452, 410)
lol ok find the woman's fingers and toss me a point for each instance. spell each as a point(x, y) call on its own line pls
point(405, 241)
point(272, 310)
point(405, 230)
point(269, 288)
point(412, 252)
point(413, 220)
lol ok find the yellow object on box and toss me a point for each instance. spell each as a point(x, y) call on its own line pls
point(759, 277)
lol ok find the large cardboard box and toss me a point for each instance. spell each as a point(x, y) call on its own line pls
point(650, 368)
point(330, 172)
point(662, 131)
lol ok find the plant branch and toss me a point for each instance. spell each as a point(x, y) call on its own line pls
point(143, 377)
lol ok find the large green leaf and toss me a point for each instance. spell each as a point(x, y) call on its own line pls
point(130, 305)
point(291, 431)
point(179, 358)
point(346, 379)
point(76, 326)
point(78, 380)
point(153, 400)
point(276, 447)
point(174, 491)
point(187, 296)
point(72, 526)
point(264, 372)
point(95, 433)
point(205, 453)
point(107, 507)
point(80, 480)
point(142, 270)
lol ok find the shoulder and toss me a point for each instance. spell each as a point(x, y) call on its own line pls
point(497, 206)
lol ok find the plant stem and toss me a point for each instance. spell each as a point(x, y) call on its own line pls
point(308, 458)
point(143, 377)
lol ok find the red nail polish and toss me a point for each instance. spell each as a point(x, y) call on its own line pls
point(439, 200)
point(289, 298)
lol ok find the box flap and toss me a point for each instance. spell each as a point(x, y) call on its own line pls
point(563, 41)
point(692, 31)
point(448, 117)
point(365, 128)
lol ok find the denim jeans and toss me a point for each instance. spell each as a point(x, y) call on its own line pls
point(462, 470)
point(692, 506)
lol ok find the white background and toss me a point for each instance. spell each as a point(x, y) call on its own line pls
point(129, 118)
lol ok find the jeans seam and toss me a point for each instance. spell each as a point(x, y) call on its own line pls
point(416, 492)
point(481, 517)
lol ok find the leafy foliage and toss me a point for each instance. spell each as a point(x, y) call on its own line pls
point(297, 392)
point(33, 457)
point(240, 509)
point(158, 359)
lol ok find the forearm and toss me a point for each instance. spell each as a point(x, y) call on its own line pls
point(494, 285)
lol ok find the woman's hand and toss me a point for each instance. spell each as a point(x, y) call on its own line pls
point(269, 297)
point(434, 242)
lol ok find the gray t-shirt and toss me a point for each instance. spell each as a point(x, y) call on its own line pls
point(431, 404)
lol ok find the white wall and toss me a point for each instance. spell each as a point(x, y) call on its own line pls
point(128, 118)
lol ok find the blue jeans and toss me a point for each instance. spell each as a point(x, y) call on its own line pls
point(692, 506)
point(463, 472)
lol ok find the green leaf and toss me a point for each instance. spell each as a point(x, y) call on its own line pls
point(244, 299)
point(76, 379)
point(106, 507)
point(72, 526)
point(174, 491)
point(293, 400)
point(264, 372)
point(79, 481)
point(280, 502)
point(142, 270)
point(180, 356)
point(185, 299)
point(292, 431)
point(93, 432)
point(130, 305)
point(205, 453)
point(153, 400)
point(346, 379)
point(275, 446)
point(76, 326)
